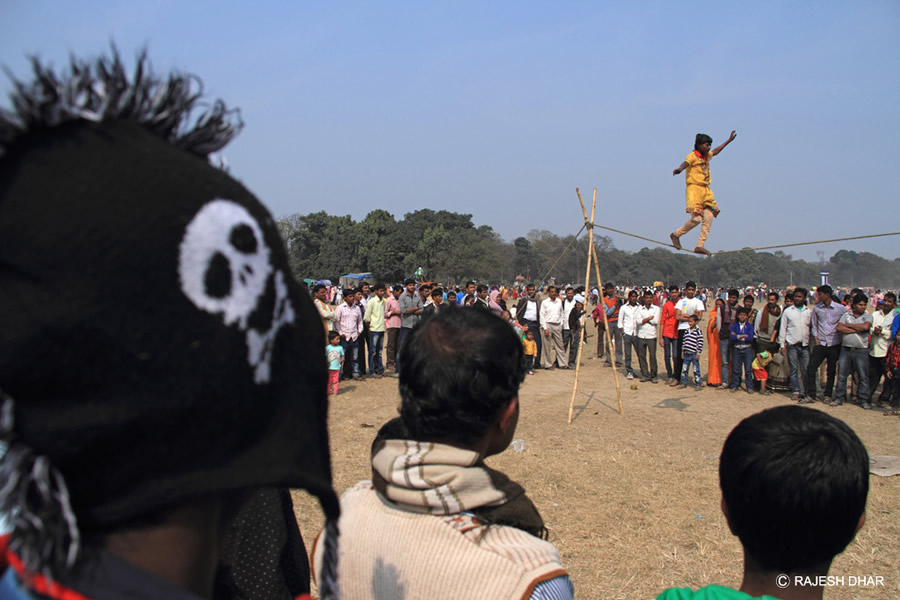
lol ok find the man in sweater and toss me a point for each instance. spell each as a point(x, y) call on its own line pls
point(435, 521)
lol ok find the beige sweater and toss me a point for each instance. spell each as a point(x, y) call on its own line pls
point(387, 553)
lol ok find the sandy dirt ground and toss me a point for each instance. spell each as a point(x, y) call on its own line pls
point(632, 501)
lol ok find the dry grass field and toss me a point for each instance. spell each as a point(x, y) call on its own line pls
point(632, 501)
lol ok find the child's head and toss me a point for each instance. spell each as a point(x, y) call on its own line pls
point(702, 140)
point(693, 320)
point(334, 338)
point(529, 335)
point(742, 314)
point(794, 484)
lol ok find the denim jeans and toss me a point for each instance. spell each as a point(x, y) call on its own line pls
point(742, 357)
point(725, 348)
point(798, 359)
point(691, 359)
point(351, 352)
point(376, 344)
point(670, 346)
point(853, 359)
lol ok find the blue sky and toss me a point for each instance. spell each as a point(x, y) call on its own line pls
point(500, 109)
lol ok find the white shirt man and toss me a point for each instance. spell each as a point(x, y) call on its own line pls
point(551, 325)
point(646, 319)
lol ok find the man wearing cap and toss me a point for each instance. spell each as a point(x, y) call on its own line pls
point(162, 381)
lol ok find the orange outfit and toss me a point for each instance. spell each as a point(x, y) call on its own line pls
point(714, 353)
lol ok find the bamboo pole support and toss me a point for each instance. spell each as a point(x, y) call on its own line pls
point(587, 286)
point(610, 347)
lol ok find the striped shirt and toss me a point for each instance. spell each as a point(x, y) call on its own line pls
point(693, 341)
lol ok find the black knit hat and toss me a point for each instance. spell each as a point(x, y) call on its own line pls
point(154, 346)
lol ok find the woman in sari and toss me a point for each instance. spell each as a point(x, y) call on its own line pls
point(714, 354)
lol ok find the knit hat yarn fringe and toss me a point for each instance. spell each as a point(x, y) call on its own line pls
point(35, 499)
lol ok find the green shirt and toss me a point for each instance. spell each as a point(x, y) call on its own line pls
point(375, 314)
point(710, 592)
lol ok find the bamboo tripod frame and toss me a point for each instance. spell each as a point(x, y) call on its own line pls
point(592, 254)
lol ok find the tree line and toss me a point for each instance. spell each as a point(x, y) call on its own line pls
point(452, 250)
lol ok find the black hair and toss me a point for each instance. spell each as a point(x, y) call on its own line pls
point(860, 297)
point(673, 288)
point(552, 287)
point(481, 288)
point(693, 317)
point(794, 481)
point(630, 292)
point(609, 286)
point(742, 311)
point(100, 91)
point(733, 292)
point(749, 297)
point(690, 284)
point(457, 370)
point(332, 335)
point(803, 291)
point(348, 292)
point(825, 289)
point(437, 292)
point(701, 138)
point(773, 293)
point(855, 291)
point(319, 286)
point(890, 295)
point(468, 283)
point(357, 290)
point(379, 286)
point(397, 287)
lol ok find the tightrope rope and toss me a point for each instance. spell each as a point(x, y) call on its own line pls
point(788, 245)
point(574, 237)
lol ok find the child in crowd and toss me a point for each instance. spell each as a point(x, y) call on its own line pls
point(741, 351)
point(530, 348)
point(335, 354)
point(701, 204)
point(760, 363)
point(794, 483)
point(691, 348)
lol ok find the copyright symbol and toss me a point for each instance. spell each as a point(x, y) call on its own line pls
point(782, 581)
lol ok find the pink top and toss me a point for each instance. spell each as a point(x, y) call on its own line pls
point(391, 313)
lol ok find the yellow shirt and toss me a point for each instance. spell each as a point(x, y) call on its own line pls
point(697, 171)
point(760, 363)
point(530, 347)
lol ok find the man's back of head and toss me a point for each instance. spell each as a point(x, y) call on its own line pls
point(458, 370)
